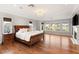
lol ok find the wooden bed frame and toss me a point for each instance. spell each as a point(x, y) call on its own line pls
point(33, 39)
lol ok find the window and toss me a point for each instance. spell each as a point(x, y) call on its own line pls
point(47, 27)
point(52, 27)
point(7, 26)
point(65, 27)
point(57, 27)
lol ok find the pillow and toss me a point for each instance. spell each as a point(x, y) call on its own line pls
point(23, 30)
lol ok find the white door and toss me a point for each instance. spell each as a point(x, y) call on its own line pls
point(0, 31)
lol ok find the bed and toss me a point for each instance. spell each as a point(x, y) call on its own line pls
point(31, 37)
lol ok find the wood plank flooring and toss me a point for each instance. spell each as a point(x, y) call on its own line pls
point(53, 44)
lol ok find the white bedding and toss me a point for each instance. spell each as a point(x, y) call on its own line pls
point(27, 35)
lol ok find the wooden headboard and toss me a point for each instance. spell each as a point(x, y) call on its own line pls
point(17, 27)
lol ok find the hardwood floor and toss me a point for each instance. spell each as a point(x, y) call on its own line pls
point(53, 44)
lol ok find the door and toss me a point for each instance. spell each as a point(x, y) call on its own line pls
point(0, 31)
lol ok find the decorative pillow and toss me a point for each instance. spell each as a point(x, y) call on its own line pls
point(23, 30)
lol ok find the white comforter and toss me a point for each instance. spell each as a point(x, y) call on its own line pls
point(27, 35)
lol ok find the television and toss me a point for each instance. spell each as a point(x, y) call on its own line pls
point(75, 20)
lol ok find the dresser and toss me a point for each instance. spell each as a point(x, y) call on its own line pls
point(8, 38)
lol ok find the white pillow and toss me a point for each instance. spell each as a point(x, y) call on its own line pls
point(23, 30)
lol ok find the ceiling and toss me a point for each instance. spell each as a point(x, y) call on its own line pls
point(49, 11)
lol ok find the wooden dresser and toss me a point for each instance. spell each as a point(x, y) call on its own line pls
point(8, 38)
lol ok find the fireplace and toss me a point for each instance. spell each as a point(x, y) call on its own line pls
point(75, 34)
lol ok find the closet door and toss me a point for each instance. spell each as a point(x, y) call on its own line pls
point(0, 31)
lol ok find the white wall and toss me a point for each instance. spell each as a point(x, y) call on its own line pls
point(20, 21)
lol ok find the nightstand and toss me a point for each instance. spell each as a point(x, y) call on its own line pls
point(8, 38)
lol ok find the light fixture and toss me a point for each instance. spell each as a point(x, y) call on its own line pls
point(31, 5)
point(40, 12)
point(30, 22)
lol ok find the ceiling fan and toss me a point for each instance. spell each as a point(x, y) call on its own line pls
point(31, 5)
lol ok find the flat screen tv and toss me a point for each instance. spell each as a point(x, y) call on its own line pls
point(75, 20)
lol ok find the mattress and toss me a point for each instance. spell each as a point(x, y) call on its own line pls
point(27, 35)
